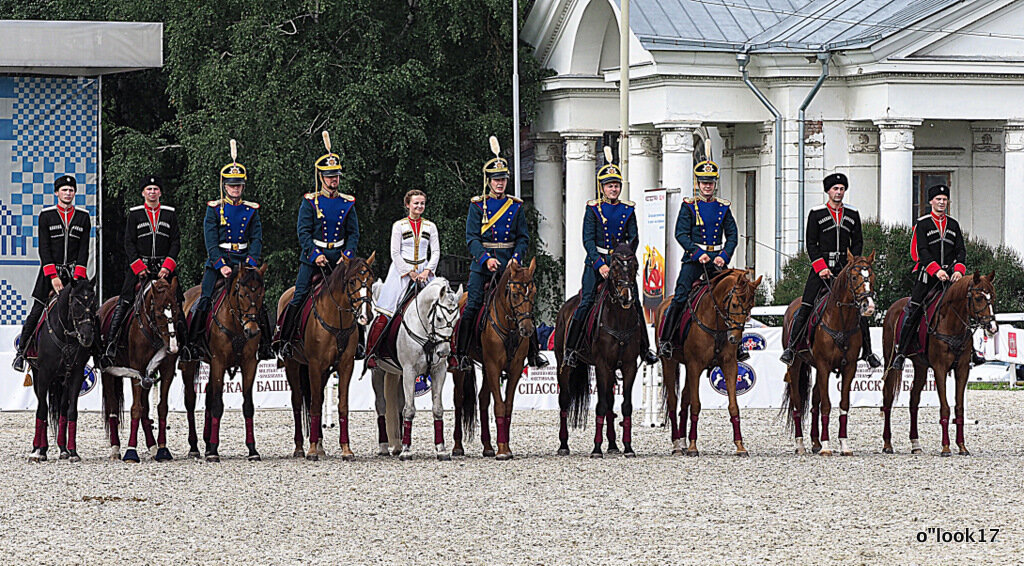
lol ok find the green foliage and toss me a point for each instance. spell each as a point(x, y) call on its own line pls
point(893, 267)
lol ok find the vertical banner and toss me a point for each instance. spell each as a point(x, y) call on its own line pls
point(49, 126)
point(652, 242)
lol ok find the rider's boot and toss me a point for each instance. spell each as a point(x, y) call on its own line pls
point(27, 329)
point(907, 334)
point(572, 342)
point(533, 355)
point(867, 354)
point(361, 341)
point(264, 351)
point(798, 328)
point(466, 329)
point(646, 354)
point(196, 341)
point(116, 321)
point(669, 330)
point(284, 347)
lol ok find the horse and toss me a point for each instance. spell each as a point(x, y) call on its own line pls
point(422, 345)
point(612, 346)
point(503, 345)
point(151, 355)
point(233, 339)
point(965, 306)
point(834, 347)
point(719, 318)
point(68, 335)
point(341, 302)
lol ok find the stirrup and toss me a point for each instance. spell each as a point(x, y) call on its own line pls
point(649, 357)
point(742, 354)
point(19, 362)
point(788, 357)
point(570, 358)
point(873, 361)
point(897, 362)
point(665, 350)
point(465, 363)
point(539, 361)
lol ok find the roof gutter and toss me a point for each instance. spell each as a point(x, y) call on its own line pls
point(823, 59)
point(742, 59)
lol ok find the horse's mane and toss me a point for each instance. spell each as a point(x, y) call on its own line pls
point(341, 271)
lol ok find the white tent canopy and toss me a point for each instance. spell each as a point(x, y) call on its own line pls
point(79, 48)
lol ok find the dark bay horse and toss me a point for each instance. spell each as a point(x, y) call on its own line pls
point(151, 355)
point(613, 346)
point(233, 339)
point(69, 335)
point(719, 318)
point(328, 343)
point(504, 343)
point(966, 306)
point(835, 346)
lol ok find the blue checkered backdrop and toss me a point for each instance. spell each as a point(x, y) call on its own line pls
point(49, 126)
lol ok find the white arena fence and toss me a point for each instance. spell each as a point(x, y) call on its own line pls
point(760, 383)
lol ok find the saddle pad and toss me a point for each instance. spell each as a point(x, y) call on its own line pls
point(219, 295)
point(32, 349)
point(812, 321)
point(932, 304)
point(699, 289)
point(109, 317)
point(386, 347)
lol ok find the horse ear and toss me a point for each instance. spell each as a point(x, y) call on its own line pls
point(992, 276)
point(372, 258)
point(977, 276)
point(849, 256)
point(459, 292)
point(533, 265)
point(757, 282)
point(263, 269)
point(342, 260)
point(871, 258)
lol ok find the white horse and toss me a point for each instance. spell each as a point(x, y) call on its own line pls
point(423, 345)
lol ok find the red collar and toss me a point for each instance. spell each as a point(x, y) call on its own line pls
point(830, 207)
point(65, 210)
point(415, 224)
point(938, 217)
point(152, 208)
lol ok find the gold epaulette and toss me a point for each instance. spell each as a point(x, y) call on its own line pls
point(347, 197)
point(689, 200)
point(215, 202)
point(477, 198)
point(628, 203)
point(250, 204)
point(309, 196)
point(725, 202)
point(515, 199)
point(594, 202)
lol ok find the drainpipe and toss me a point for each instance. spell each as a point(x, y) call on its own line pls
point(823, 59)
point(742, 59)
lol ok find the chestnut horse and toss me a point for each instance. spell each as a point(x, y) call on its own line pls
point(613, 346)
point(835, 347)
point(964, 307)
point(718, 321)
point(151, 354)
point(233, 339)
point(504, 342)
point(328, 343)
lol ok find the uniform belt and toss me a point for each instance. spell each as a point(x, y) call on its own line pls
point(710, 248)
point(499, 245)
point(414, 261)
point(601, 250)
point(328, 245)
point(233, 247)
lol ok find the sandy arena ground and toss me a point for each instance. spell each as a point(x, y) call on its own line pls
point(774, 507)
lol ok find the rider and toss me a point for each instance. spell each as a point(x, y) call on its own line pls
point(64, 232)
point(607, 222)
point(496, 233)
point(328, 228)
point(702, 223)
point(234, 237)
point(151, 242)
point(832, 229)
point(415, 253)
point(937, 247)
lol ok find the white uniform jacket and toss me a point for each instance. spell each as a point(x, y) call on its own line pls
point(409, 252)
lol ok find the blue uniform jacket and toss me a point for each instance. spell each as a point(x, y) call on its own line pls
point(700, 226)
point(618, 226)
point(241, 236)
point(337, 229)
point(510, 230)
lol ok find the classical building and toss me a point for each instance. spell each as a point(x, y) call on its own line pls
point(914, 92)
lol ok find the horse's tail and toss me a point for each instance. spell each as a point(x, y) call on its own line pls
point(56, 402)
point(113, 399)
point(579, 395)
point(469, 400)
point(307, 395)
point(804, 387)
point(892, 384)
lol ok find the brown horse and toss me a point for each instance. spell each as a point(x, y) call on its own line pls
point(326, 345)
point(613, 346)
point(504, 343)
point(152, 348)
point(718, 318)
point(965, 307)
point(835, 346)
point(233, 340)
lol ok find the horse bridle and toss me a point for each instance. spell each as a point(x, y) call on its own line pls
point(434, 338)
point(151, 328)
point(517, 317)
point(957, 342)
point(75, 332)
point(623, 283)
point(341, 334)
point(859, 299)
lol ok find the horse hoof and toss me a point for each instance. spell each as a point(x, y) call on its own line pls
point(816, 449)
point(503, 457)
point(563, 451)
point(348, 457)
point(596, 455)
point(194, 454)
point(945, 454)
point(846, 453)
point(888, 450)
point(677, 452)
point(965, 452)
point(130, 455)
point(213, 458)
point(613, 450)
point(743, 454)
point(254, 457)
point(64, 455)
point(628, 453)
point(298, 453)
point(693, 453)
point(405, 456)
point(37, 457)
point(488, 453)
point(312, 457)
point(384, 453)
point(825, 453)
point(458, 452)
point(917, 451)
point(444, 457)
point(74, 457)
point(163, 455)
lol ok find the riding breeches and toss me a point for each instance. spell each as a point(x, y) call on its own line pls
point(688, 275)
point(475, 290)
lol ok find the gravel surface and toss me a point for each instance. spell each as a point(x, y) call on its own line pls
point(537, 509)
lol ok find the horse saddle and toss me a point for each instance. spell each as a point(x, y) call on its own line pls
point(316, 283)
point(697, 292)
point(220, 292)
point(489, 289)
point(931, 302)
point(109, 317)
point(32, 348)
point(384, 344)
point(807, 340)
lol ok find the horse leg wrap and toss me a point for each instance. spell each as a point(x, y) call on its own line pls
point(736, 435)
point(407, 432)
point(342, 430)
point(502, 425)
point(62, 431)
point(72, 435)
point(627, 430)
point(611, 427)
point(913, 423)
point(600, 429)
point(814, 423)
point(438, 431)
point(798, 426)
point(314, 429)
point(115, 438)
point(563, 426)
point(206, 426)
point(842, 424)
point(161, 435)
point(886, 426)
point(824, 428)
point(133, 434)
point(693, 427)
point(298, 426)
point(677, 433)
point(215, 431)
point(485, 427)
point(250, 437)
point(147, 429)
point(39, 441)
point(945, 431)
point(959, 431)
point(382, 429)
point(457, 436)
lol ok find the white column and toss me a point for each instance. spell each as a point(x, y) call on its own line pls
point(547, 192)
point(643, 163)
point(677, 177)
point(580, 186)
point(1013, 213)
point(896, 147)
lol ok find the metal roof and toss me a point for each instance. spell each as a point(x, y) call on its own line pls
point(773, 25)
